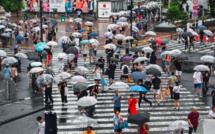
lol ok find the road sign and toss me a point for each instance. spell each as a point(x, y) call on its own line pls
point(194, 14)
point(195, 1)
point(195, 7)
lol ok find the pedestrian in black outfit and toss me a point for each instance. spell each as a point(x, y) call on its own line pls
point(111, 72)
point(48, 93)
point(206, 80)
point(0, 63)
point(33, 80)
point(61, 87)
point(143, 94)
point(153, 58)
point(109, 53)
point(103, 63)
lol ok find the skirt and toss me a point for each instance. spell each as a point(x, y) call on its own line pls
point(176, 96)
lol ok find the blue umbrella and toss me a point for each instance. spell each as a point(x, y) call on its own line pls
point(138, 89)
point(19, 38)
point(164, 41)
point(14, 46)
point(138, 75)
point(145, 20)
point(93, 34)
point(82, 30)
point(202, 27)
point(36, 64)
point(107, 35)
point(53, 21)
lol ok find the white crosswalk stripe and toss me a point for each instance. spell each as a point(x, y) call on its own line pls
point(160, 116)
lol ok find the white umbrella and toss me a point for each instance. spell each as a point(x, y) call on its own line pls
point(139, 59)
point(36, 70)
point(78, 19)
point(110, 46)
point(201, 68)
point(70, 57)
point(21, 55)
point(134, 28)
point(7, 14)
point(65, 38)
point(206, 126)
point(61, 55)
point(207, 58)
point(21, 21)
point(119, 85)
point(76, 35)
point(8, 30)
point(52, 43)
point(155, 66)
point(151, 33)
point(82, 70)
point(3, 53)
point(33, 20)
point(122, 23)
point(167, 52)
point(77, 78)
point(3, 17)
point(87, 101)
point(45, 26)
point(108, 34)
point(147, 49)
point(179, 30)
point(120, 36)
point(178, 124)
point(62, 76)
point(194, 33)
point(122, 19)
point(208, 32)
point(9, 60)
point(35, 29)
point(5, 34)
point(14, 24)
point(111, 26)
point(94, 42)
point(190, 30)
point(128, 38)
point(2, 26)
point(176, 52)
point(88, 23)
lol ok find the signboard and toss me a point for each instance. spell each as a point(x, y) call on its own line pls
point(194, 14)
point(59, 4)
point(195, 1)
point(104, 9)
point(195, 7)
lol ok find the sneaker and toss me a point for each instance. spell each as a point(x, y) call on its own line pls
point(200, 96)
point(196, 94)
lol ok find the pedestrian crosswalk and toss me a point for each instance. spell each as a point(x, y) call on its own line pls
point(160, 115)
point(10, 53)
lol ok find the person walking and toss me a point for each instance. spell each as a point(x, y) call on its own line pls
point(132, 104)
point(193, 120)
point(185, 43)
point(48, 93)
point(98, 74)
point(89, 130)
point(85, 53)
point(213, 97)
point(103, 63)
point(171, 83)
point(26, 37)
point(91, 53)
point(206, 80)
point(197, 81)
point(178, 72)
point(135, 69)
point(117, 101)
point(201, 37)
point(7, 72)
point(156, 82)
point(117, 119)
point(167, 59)
point(126, 47)
point(44, 58)
point(143, 129)
point(209, 64)
point(41, 125)
point(176, 91)
point(191, 42)
point(211, 114)
point(62, 87)
point(33, 78)
point(60, 64)
point(14, 74)
point(153, 58)
point(125, 72)
point(111, 72)
point(142, 95)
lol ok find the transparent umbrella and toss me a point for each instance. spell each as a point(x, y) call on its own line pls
point(176, 52)
point(120, 36)
point(167, 52)
point(9, 60)
point(3, 53)
point(110, 46)
point(119, 85)
point(155, 66)
point(43, 79)
point(21, 55)
point(36, 70)
point(178, 124)
point(61, 76)
point(147, 49)
point(207, 58)
point(76, 79)
point(201, 68)
point(82, 70)
point(76, 34)
point(139, 59)
point(151, 33)
point(87, 101)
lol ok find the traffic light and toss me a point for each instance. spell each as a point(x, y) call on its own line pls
point(25, 16)
point(62, 18)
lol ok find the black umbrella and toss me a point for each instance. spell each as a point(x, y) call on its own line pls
point(72, 49)
point(32, 56)
point(120, 46)
point(49, 71)
point(211, 86)
point(114, 59)
point(135, 49)
point(96, 63)
point(153, 71)
point(186, 34)
point(181, 57)
point(80, 86)
point(153, 41)
point(138, 118)
point(70, 44)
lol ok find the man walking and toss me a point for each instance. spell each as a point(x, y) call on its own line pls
point(48, 93)
point(89, 130)
point(143, 94)
point(117, 101)
point(44, 58)
point(193, 120)
point(61, 87)
point(178, 66)
point(41, 125)
point(157, 88)
point(171, 84)
point(197, 81)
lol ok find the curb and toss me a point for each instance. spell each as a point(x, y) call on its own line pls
point(21, 116)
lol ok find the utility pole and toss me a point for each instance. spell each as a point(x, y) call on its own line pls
point(131, 19)
point(41, 22)
point(160, 10)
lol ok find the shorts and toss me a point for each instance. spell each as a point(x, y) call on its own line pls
point(97, 79)
point(117, 130)
point(177, 73)
point(111, 76)
point(84, 55)
point(156, 91)
point(117, 109)
point(167, 63)
point(125, 76)
point(198, 85)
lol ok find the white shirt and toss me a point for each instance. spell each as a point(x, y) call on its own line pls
point(91, 5)
point(123, 69)
point(98, 74)
point(85, 49)
point(42, 127)
point(197, 76)
point(21, 33)
point(77, 41)
point(177, 89)
point(211, 115)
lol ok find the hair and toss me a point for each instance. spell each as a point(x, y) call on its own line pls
point(90, 127)
point(116, 90)
point(39, 118)
point(173, 73)
point(194, 108)
point(131, 94)
point(141, 81)
point(176, 83)
point(213, 107)
point(147, 55)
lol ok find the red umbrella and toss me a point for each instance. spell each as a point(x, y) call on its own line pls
point(158, 40)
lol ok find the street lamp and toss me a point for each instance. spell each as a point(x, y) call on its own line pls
point(41, 22)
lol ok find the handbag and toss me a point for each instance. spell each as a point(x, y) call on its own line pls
point(106, 72)
point(104, 82)
point(167, 92)
point(129, 80)
point(162, 95)
point(66, 91)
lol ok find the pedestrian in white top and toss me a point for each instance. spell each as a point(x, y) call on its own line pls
point(176, 90)
point(125, 72)
point(21, 33)
point(197, 81)
point(60, 64)
point(77, 41)
point(85, 53)
point(211, 114)
point(41, 125)
point(98, 74)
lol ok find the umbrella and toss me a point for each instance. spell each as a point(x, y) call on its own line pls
point(145, 20)
point(153, 71)
point(122, 19)
point(147, 49)
point(52, 43)
point(93, 34)
point(45, 26)
point(21, 55)
point(108, 34)
point(3, 17)
point(179, 30)
point(140, 59)
point(43, 79)
point(14, 47)
point(90, 19)
point(88, 23)
point(151, 33)
point(127, 58)
point(19, 38)
point(201, 68)
point(164, 41)
point(84, 42)
point(208, 32)
point(41, 48)
point(79, 87)
point(33, 20)
point(78, 78)
point(86, 101)
point(32, 56)
point(61, 55)
point(36, 70)
point(194, 33)
point(119, 85)
point(84, 121)
point(9, 60)
point(70, 57)
point(153, 41)
point(53, 21)
point(5, 34)
point(91, 85)
point(14, 24)
point(78, 19)
point(211, 85)
point(110, 46)
point(155, 66)
point(135, 49)
point(36, 64)
point(137, 75)
point(76, 35)
point(114, 59)
point(158, 40)
point(65, 38)
point(138, 118)
point(96, 63)
point(186, 34)
point(111, 26)
point(2, 26)
point(94, 42)
point(178, 124)
point(82, 30)
point(82, 70)
point(3, 53)
point(40, 44)
point(134, 28)
point(128, 38)
point(49, 71)
point(8, 14)
point(99, 54)
point(181, 57)
point(202, 27)
point(122, 23)
point(206, 126)
point(190, 30)
point(62, 76)
point(8, 30)
point(72, 49)
point(119, 36)
point(176, 52)
point(207, 58)
point(35, 29)
point(167, 52)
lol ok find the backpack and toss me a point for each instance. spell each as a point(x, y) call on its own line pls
point(89, 30)
point(125, 70)
point(26, 35)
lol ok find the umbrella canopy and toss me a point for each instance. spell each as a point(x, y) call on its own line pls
point(119, 85)
point(206, 126)
point(78, 19)
point(100, 54)
point(147, 50)
point(120, 36)
point(53, 21)
point(65, 38)
point(164, 41)
point(35, 29)
point(135, 49)
point(14, 47)
point(21, 55)
point(36, 64)
point(96, 63)
point(49, 71)
point(179, 30)
point(145, 20)
point(202, 27)
point(5, 34)
point(181, 57)
point(94, 42)
point(114, 59)
point(70, 57)
point(151, 33)
point(153, 71)
point(86, 101)
point(108, 34)
point(167, 52)
point(76, 34)
point(178, 124)
point(62, 76)
point(186, 34)
point(211, 86)
point(138, 118)
point(155, 66)
point(128, 38)
point(32, 56)
point(36, 70)
point(111, 26)
point(138, 89)
point(9, 60)
point(110, 46)
point(82, 70)
point(194, 33)
point(84, 42)
point(208, 32)
point(19, 38)
point(43, 80)
point(72, 50)
point(61, 55)
point(176, 52)
point(84, 121)
point(137, 75)
point(77, 78)
point(8, 30)
point(45, 26)
point(88, 23)
point(52, 43)
point(122, 19)
point(140, 59)
point(2, 26)
point(201, 68)
point(134, 28)
point(93, 34)
point(207, 58)
point(79, 87)
point(3, 53)
point(127, 58)
point(82, 30)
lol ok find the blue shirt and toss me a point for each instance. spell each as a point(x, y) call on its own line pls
point(117, 103)
point(7, 72)
point(135, 34)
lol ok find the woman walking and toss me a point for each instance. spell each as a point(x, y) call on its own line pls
point(91, 53)
point(117, 119)
point(167, 59)
point(176, 91)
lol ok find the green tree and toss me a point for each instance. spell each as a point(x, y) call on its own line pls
point(173, 13)
point(13, 6)
point(211, 3)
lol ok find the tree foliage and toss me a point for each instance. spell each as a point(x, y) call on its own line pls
point(173, 13)
point(211, 3)
point(12, 5)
